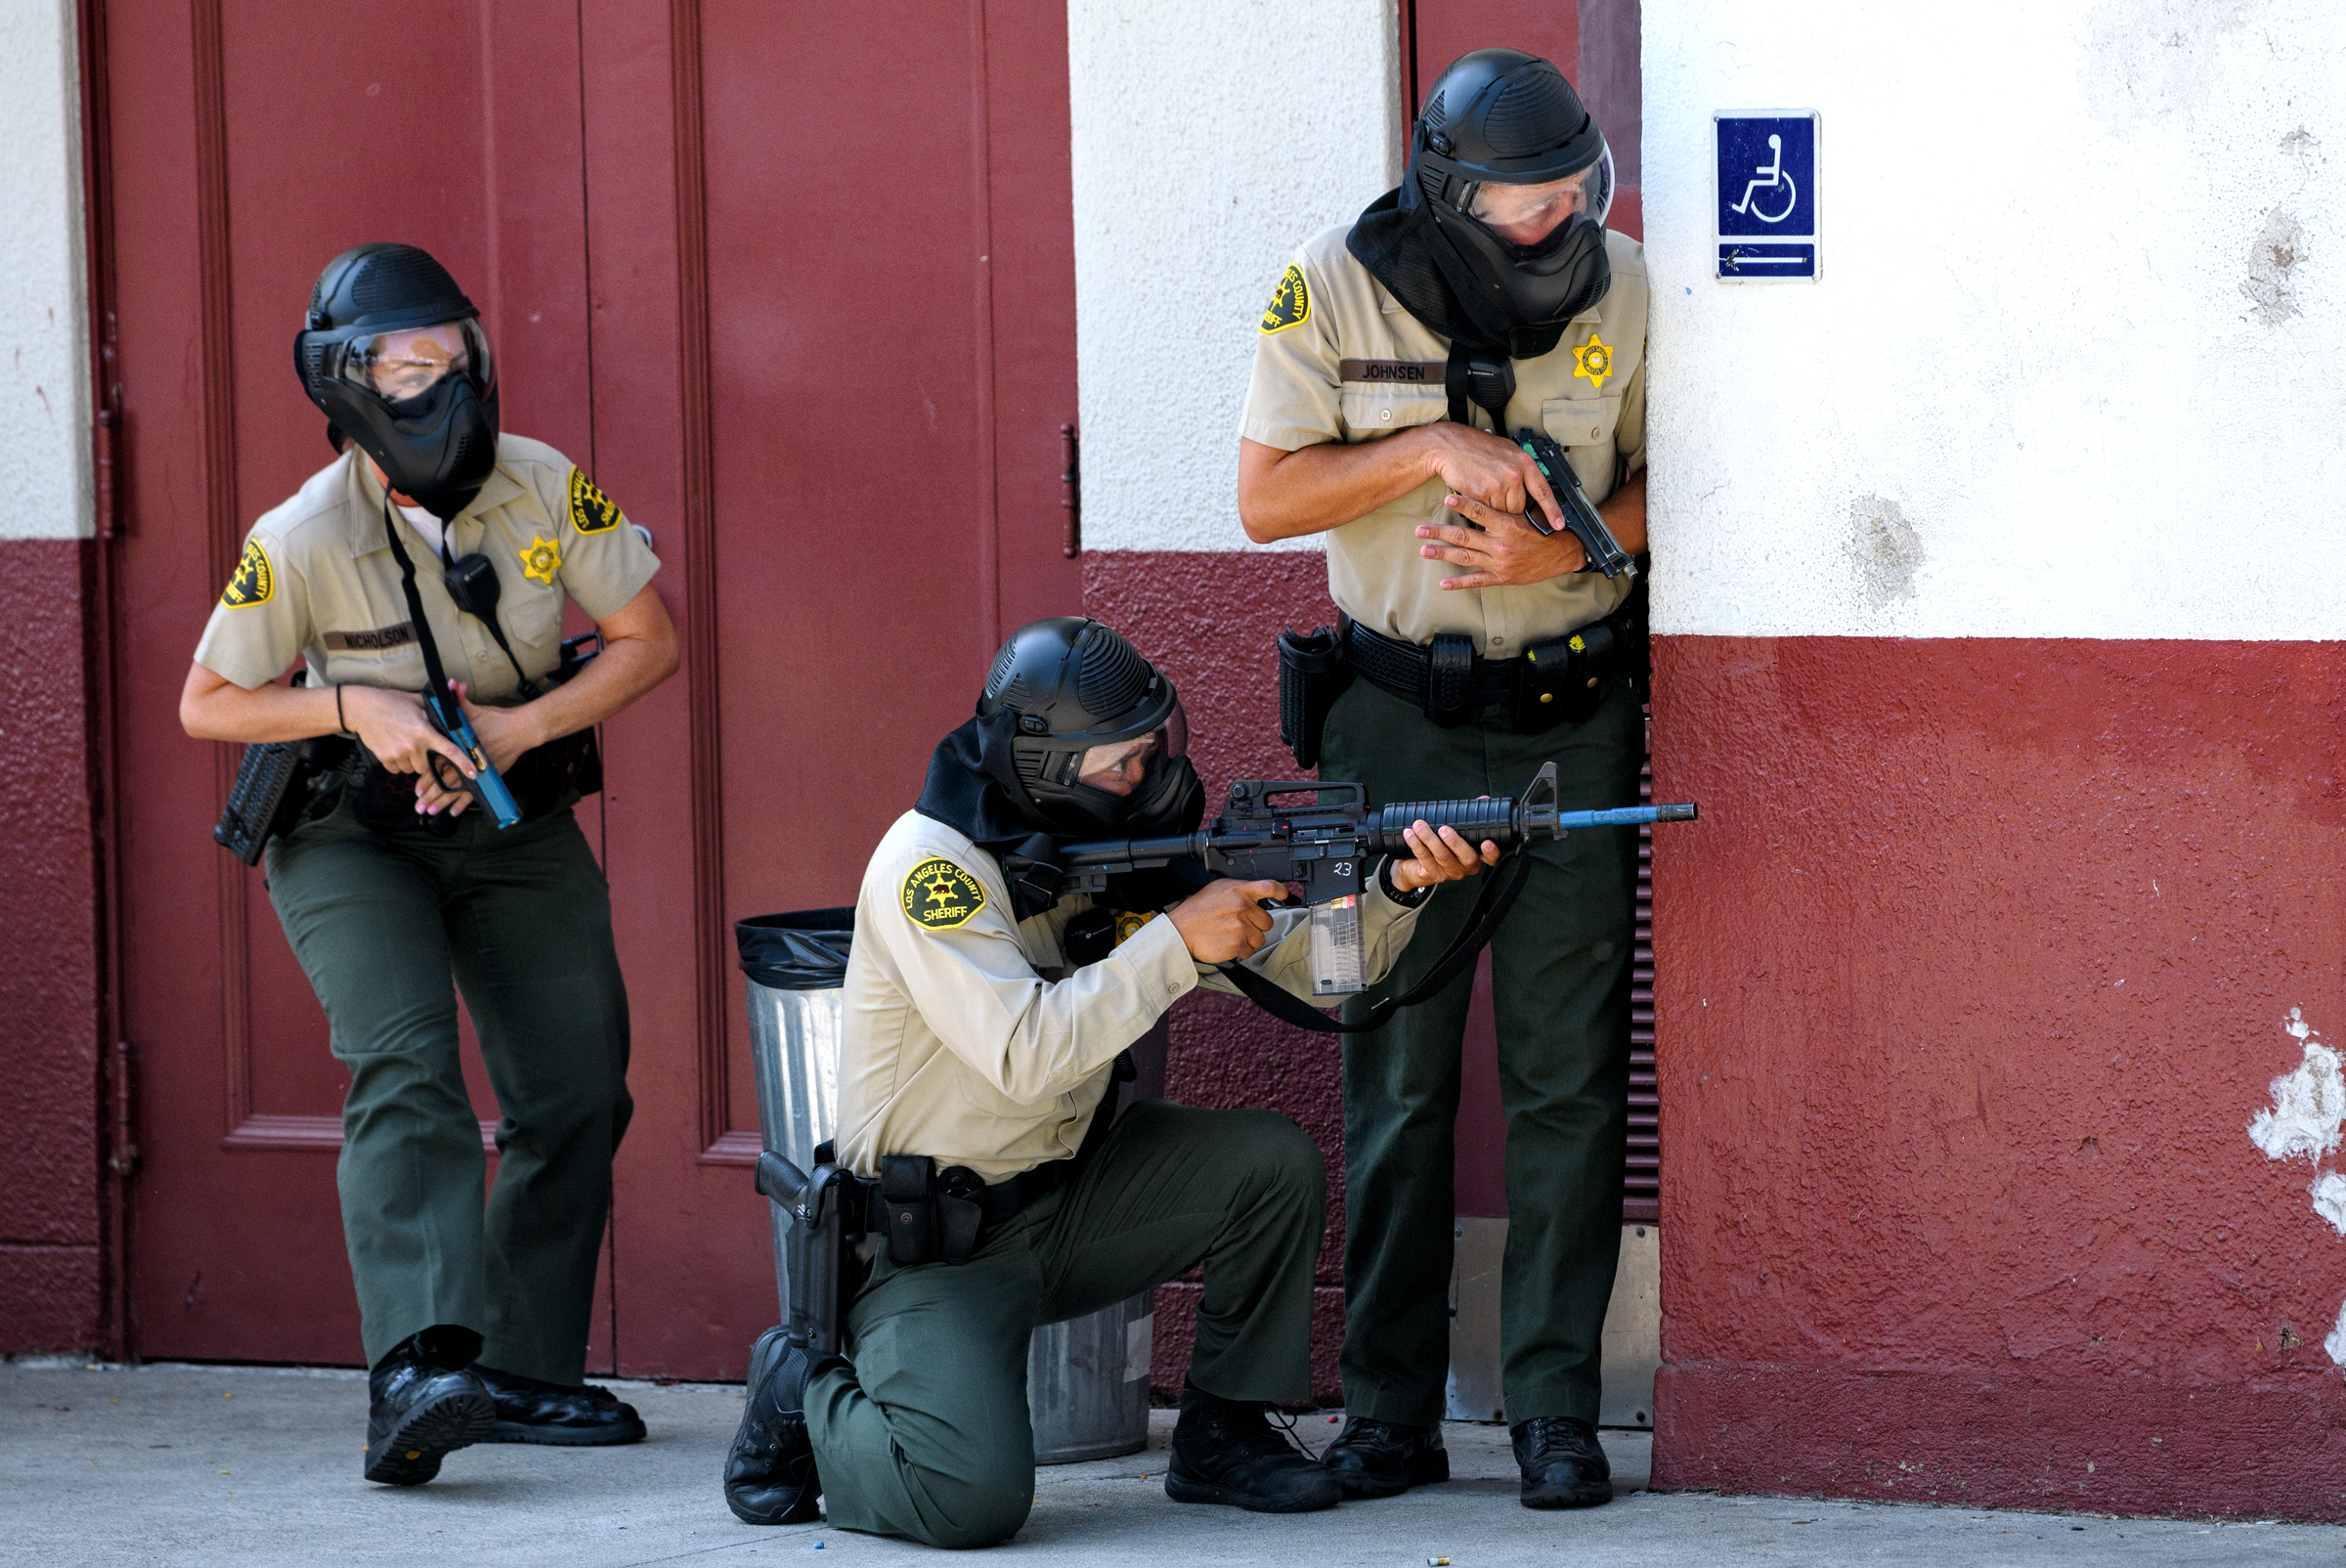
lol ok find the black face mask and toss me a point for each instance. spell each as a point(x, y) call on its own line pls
point(1472, 286)
point(439, 447)
point(972, 786)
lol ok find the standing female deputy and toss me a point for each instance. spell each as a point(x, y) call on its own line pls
point(434, 547)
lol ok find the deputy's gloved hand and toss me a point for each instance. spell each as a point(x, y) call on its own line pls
point(1226, 920)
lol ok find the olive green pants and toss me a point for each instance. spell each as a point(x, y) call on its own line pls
point(926, 1434)
point(521, 920)
point(1560, 982)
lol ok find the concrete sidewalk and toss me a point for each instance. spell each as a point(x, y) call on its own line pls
point(256, 1465)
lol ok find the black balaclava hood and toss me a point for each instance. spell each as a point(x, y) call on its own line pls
point(1005, 778)
point(440, 446)
point(1501, 117)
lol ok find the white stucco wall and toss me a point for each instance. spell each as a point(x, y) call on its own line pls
point(2077, 366)
point(45, 483)
point(1210, 141)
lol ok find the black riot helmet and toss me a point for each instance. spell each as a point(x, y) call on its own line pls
point(1508, 184)
point(394, 354)
point(1096, 736)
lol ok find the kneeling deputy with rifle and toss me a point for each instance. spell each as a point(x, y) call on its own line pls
point(978, 1145)
point(412, 794)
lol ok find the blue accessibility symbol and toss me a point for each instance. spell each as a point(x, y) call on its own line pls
point(1767, 196)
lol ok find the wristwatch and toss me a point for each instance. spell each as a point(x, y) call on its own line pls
point(1407, 901)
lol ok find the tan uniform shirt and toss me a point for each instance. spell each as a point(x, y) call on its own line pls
point(318, 583)
point(968, 1039)
point(1340, 360)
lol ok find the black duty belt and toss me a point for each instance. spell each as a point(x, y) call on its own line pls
point(1550, 683)
point(933, 1215)
point(1408, 668)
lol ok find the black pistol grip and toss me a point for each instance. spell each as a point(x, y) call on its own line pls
point(780, 1180)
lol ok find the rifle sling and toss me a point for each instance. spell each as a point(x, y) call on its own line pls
point(1491, 906)
point(433, 672)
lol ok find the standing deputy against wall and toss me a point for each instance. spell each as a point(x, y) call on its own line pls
point(475, 1322)
point(1486, 281)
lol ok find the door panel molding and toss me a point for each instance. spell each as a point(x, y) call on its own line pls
point(216, 343)
point(308, 1132)
point(699, 469)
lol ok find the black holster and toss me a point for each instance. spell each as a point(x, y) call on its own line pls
point(1313, 673)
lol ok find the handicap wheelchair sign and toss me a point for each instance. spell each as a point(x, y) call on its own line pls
point(1767, 197)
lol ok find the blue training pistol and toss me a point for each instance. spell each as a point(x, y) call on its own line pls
point(486, 786)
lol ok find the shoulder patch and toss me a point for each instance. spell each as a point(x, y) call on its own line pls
point(590, 510)
point(253, 582)
point(1292, 305)
point(938, 896)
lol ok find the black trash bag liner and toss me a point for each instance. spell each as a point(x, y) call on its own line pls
point(803, 950)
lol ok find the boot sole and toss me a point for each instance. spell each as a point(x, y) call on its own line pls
point(566, 1436)
point(1587, 1496)
point(410, 1455)
point(1363, 1487)
point(805, 1510)
point(1181, 1489)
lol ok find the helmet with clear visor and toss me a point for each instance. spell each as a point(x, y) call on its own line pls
point(406, 362)
point(1519, 181)
point(393, 352)
point(1098, 741)
point(1527, 215)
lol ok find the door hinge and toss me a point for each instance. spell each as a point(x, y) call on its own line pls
point(1071, 493)
point(122, 1159)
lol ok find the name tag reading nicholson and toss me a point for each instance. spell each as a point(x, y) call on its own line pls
point(938, 896)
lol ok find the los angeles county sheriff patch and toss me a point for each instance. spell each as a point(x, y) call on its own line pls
point(253, 582)
point(940, 896)
point(590, 510)
point(1292, 305)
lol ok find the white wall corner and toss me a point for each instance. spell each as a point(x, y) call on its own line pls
point(2071, 369)
point(46, 479)
point(1204, 154)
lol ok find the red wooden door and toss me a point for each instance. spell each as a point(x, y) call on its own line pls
point(234, 178)
point(741, 263)
point(835, 336)
point(1595, 44)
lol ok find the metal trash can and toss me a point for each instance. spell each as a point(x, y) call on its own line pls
point(1087, 1379)
point(1087, 1383)
point(795, 965)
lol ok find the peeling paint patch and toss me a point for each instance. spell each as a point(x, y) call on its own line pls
point(2308, 1104)
point(2335, 1344)
point(2270, 285)
point(1884, 548)
point(2329, 1199)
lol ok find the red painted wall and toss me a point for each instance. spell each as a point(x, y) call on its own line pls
point(50, 1295)
point(1209, 620)
point(1972, 977)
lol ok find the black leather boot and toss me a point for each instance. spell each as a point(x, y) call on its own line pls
point(1385, 1458)
point(1227, 1451)
point(769, 1474)
point(1563, 1466)
point(425, 1404)
point(531, 1411)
